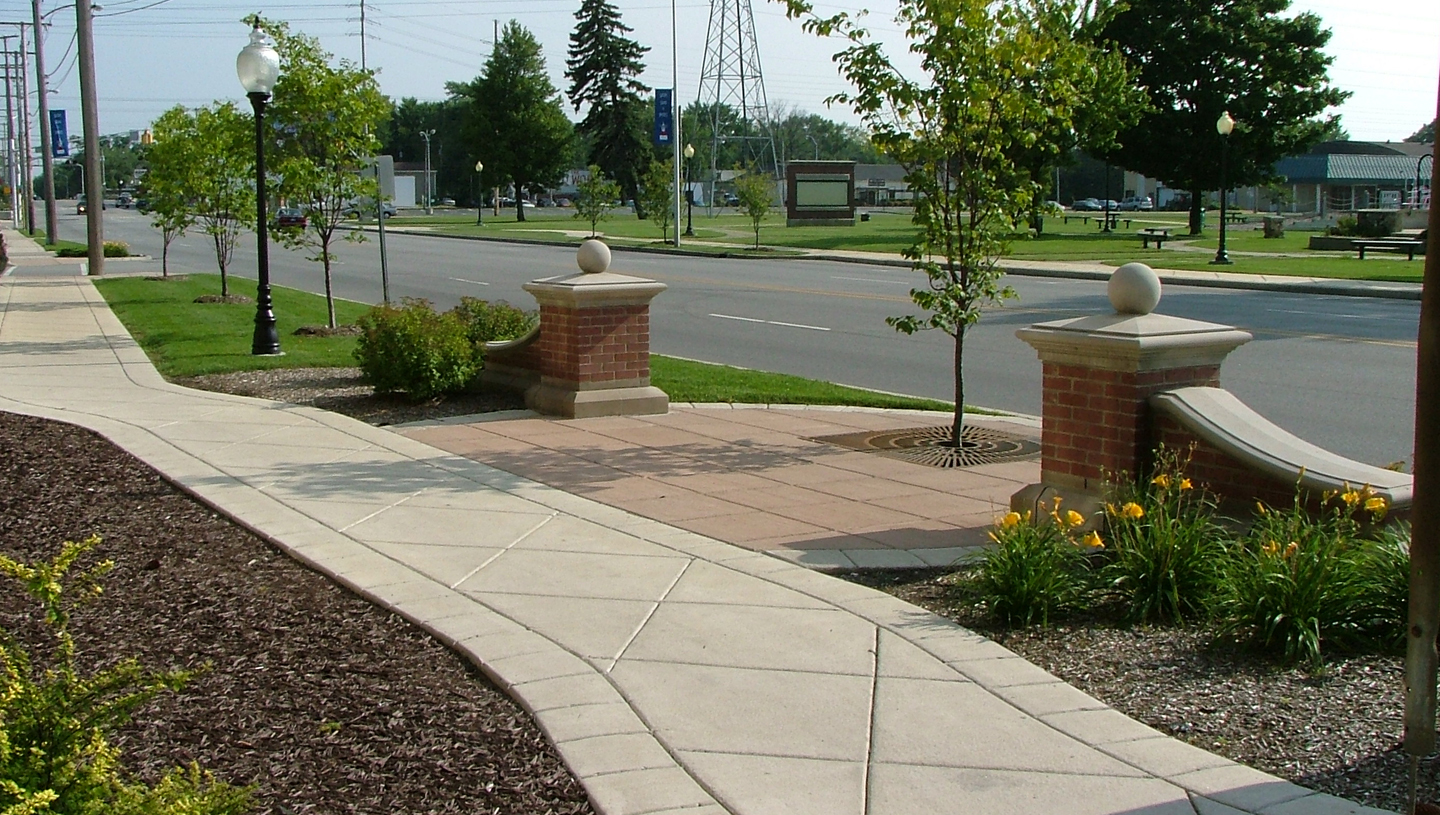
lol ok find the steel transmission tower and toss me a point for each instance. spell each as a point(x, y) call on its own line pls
point(732, 88)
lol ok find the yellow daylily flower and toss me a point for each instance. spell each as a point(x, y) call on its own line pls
point(1093, 541)
point(1292, 548)
point(1162, 481)
point(1133, 511)
point(1010, 520)
point(1376, 504)
point(1185, 484)
point(1074, 518)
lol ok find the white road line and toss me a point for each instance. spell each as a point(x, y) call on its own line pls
point(1325, 314)
point(869, 280)
point(463, 280)
point(770, 322)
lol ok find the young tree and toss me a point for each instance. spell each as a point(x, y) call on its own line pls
point(594, 197)
point(992, 69)
point(1197, 59)
point(223, 182)
point(657, 192)
point(754, 191)
point(603, 67)
point(170, 178)
point(516, 114)
point(325, 117)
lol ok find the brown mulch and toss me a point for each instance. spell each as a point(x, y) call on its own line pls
point(1336, 732)
point(324, 702)
point(340, 390)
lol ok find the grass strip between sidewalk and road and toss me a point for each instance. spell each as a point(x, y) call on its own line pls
point(184, 338)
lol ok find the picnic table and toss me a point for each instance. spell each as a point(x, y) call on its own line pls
point(1407, 245)
point(1154, 234)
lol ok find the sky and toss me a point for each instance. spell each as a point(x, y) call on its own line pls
point(154, 54)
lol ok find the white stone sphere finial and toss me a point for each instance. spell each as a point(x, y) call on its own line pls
point(1134, 289)
point(593, 257)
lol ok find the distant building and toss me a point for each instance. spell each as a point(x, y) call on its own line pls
point(1341, 176)
point(879, 185)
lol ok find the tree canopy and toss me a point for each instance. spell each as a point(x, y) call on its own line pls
point(515, 123)
point(603, 67)
point(999, 76)
point(171, 166)
point(325, 118)
point(1425, 135)
point(1196, 59)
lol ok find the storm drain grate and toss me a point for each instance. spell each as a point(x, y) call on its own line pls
point(931, 446)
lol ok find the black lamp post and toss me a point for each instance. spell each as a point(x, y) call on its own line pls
point(258, 67)
point(1224, 126)
point(689, 194)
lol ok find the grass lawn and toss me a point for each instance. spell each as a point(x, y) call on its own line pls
point(185, 338)
point(891, 232)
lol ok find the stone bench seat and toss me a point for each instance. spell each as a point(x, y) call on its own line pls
point(1215, 416)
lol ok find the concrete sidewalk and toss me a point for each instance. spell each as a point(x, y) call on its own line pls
point(674, 673)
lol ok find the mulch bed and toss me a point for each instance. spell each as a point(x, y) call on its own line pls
point(324, 702)
point(1337, 732)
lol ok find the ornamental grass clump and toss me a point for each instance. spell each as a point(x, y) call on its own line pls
point(1301, 583)
point(1164, 549)
point(56, 722)
point(414, 350)
point(1038, 568)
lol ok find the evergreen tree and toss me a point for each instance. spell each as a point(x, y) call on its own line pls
point(1424, 135)
point(1197, 59)
point(515, 114)
point(602, 70)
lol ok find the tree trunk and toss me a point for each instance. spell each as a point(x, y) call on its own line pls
point(631, 190)
point(220, 261)
point(165, 255)
point(959, 425)
point(329, 284)
point(519, 205)
point(1196, 208)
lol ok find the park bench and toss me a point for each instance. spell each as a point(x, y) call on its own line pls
point(1154, 234)
point(1407, 245)
point(1114, 222)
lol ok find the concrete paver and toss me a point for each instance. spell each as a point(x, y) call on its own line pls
point(674, 672)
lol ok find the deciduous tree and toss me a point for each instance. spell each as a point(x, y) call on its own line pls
point(755, 191)
point(594, 197)
point(325, 117)
point(990, 70)
point(657, 190)
point(516, 113)
point(1196, 59)
point(223, 188)
point(169, 182)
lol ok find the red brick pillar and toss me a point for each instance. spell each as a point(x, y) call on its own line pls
point(593, 349)
point(1099, 372)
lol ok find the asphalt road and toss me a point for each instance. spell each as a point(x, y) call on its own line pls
point(1336, 371)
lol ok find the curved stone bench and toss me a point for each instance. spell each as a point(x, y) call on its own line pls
point(1215, 417)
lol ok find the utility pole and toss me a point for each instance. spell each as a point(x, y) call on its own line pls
point(429, 193)
point(26, 166)
point(10, 171)
point(89, 109)
point(362, 35)
point(47, 158)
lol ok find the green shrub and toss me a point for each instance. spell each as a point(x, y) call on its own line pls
point(414, 350)
point(1163, 547)
point(1301, 583)
point(55, 756)
point(112, 249)
point(488, 322)
point(1036, 569)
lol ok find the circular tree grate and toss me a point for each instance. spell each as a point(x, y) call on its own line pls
point(932, 446)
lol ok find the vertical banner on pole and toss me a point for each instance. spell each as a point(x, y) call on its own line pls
point(664, 132)
point(59, 135)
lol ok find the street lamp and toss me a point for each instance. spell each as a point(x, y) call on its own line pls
point(426, 134)
point(689, 194)
point(1224, 126)
point(815, 143)
point(258, 66)
point(479, 204)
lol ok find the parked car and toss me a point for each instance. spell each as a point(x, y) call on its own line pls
point(1110, 206)
point(1087, 205)
point(446, 202)
point(353, 210)
point(142, 204)
point(1137, 203)
point(290, 217)
point(124, 200)
point(732, 200)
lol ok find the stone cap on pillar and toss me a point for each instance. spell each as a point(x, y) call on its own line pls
point(1133, 342)
point(594, 289)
